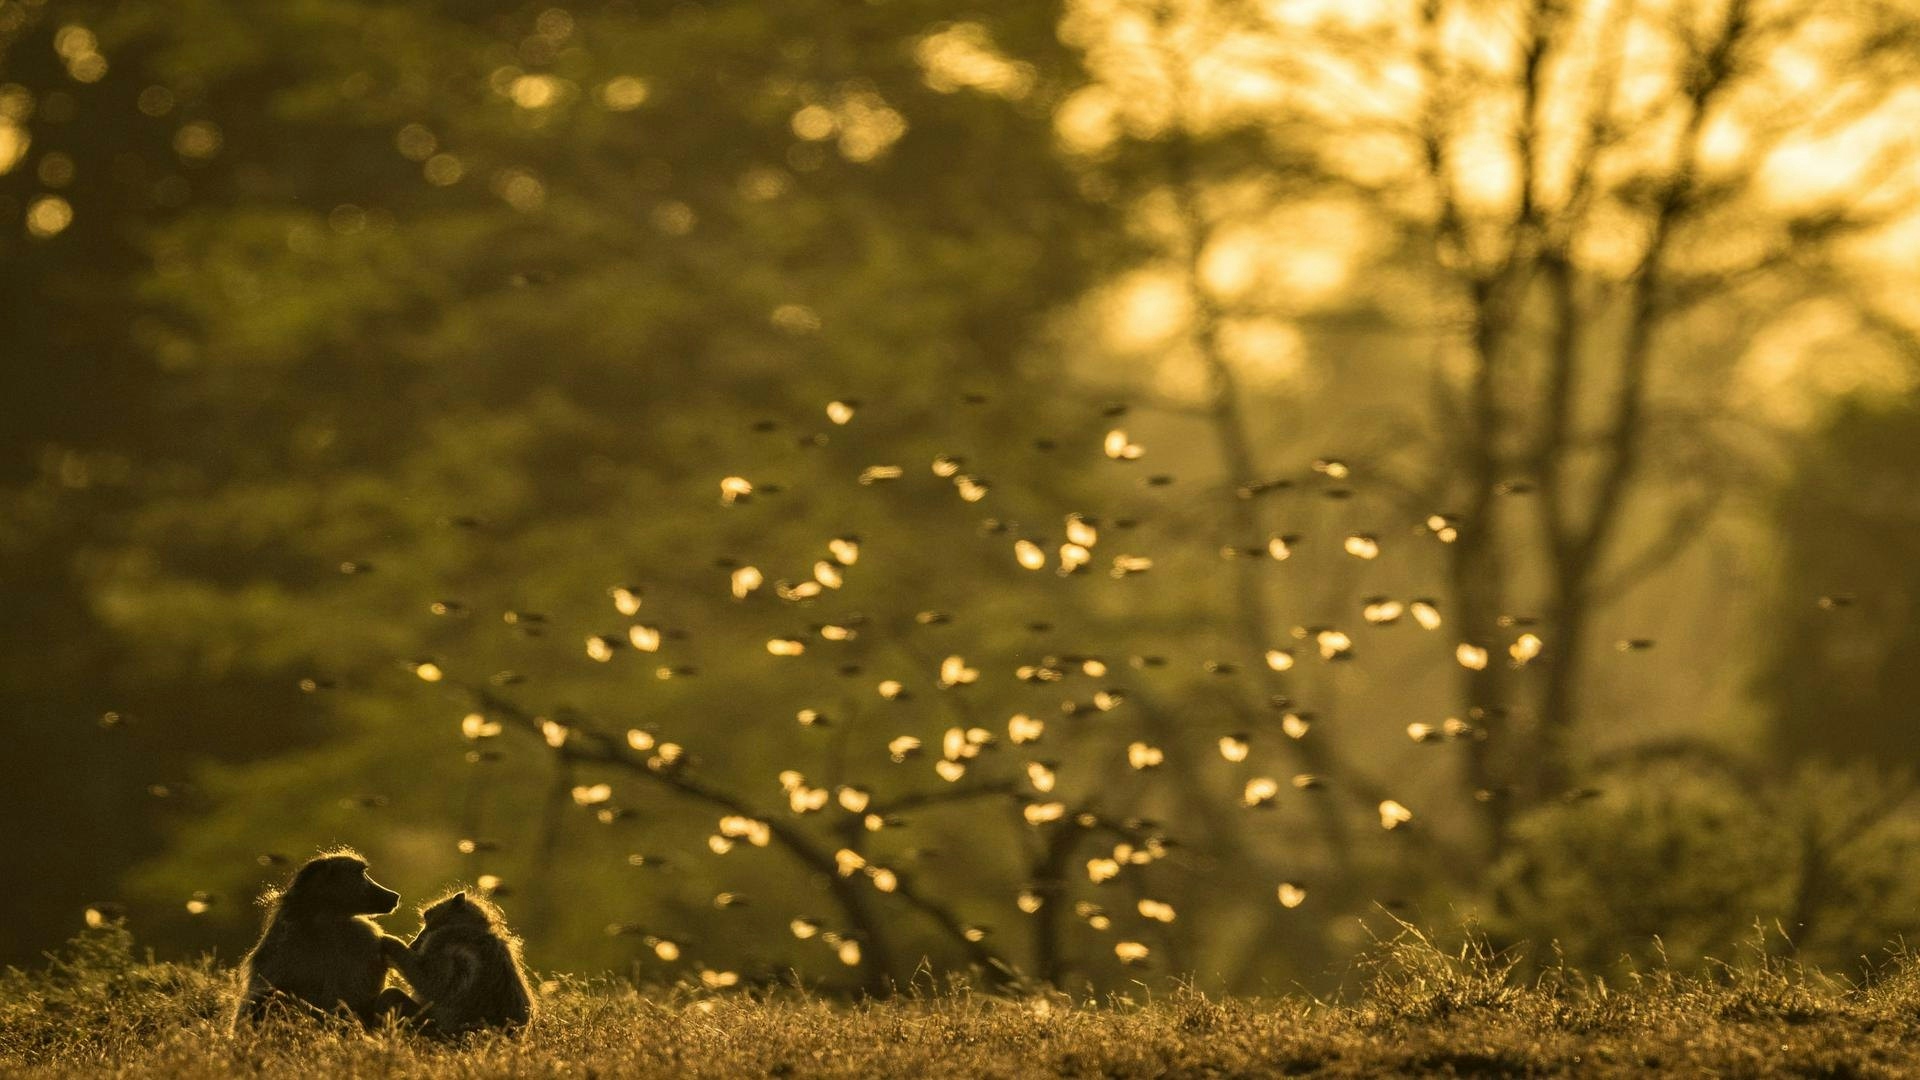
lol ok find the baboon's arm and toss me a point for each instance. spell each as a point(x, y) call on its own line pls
point(406, 961)
point(394, 1005)
point(439, 973)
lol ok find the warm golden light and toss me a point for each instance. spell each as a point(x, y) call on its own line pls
point(48, 216)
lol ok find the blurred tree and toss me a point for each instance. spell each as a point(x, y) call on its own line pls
point(513, 451)
point(1566, 221)
point(83, 173)
point(461, 305)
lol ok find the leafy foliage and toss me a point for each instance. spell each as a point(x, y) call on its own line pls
point(1684, 859)
point(1837, 668)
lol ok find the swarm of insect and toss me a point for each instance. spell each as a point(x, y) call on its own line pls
point(929, 709)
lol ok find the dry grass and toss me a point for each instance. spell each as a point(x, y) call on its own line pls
point(1420, 1010)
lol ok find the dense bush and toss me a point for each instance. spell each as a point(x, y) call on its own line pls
point(1683, 859)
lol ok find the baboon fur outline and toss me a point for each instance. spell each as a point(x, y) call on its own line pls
point(464, 966)
point(319, 953)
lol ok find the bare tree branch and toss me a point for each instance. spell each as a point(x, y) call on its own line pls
point(855, 898)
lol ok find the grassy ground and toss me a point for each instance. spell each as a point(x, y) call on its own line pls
point(96, 1012)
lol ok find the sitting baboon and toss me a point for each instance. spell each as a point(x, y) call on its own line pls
point(464, 966)
point(319, 953)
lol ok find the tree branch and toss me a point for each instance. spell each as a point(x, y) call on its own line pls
point(590, 746)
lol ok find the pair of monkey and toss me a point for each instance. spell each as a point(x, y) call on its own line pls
point(320, 952)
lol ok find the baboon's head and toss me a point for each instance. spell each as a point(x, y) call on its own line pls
point(336, 883)
point(460, 910)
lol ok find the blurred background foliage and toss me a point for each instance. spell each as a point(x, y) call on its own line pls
point(358, 353)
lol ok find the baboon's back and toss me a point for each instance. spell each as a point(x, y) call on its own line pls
point(327, 964)
point(495, 996)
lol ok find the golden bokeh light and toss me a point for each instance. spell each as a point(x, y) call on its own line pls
point(624, 93)
point(963, 56)
point(48, 216)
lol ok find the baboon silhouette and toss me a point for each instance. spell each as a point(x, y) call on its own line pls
point(465, 967)
point(318, 953)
